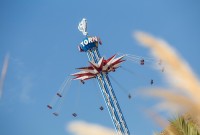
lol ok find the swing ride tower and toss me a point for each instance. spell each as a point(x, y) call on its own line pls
point(99, 68)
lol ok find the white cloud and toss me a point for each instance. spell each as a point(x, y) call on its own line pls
point(3, 73)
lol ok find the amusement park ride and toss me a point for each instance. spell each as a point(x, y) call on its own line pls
point(99, 68)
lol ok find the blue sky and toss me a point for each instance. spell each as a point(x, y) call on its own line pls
point(41, 37)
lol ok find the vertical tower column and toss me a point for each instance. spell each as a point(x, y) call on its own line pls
point(109, 95)
point(90, 45)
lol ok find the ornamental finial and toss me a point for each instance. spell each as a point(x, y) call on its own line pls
point(82, 27)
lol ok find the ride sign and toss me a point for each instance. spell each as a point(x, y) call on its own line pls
point(89, 43)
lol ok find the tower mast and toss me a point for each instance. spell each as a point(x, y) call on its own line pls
point(90, 46)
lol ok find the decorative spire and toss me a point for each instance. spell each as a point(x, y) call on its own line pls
point(82, 27)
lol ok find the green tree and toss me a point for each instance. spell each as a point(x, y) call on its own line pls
point(181, 126)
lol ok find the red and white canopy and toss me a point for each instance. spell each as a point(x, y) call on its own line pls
point(95, 68)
